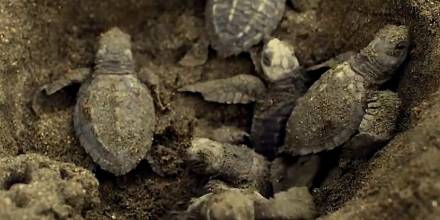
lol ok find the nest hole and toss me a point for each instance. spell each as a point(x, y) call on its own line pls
point(72, 29)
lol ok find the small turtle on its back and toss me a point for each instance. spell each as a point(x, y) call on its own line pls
point(286, 83)
point(235, 26)
point(114, 116)
point(345, 99)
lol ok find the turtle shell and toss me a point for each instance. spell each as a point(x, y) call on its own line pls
point(235, 26)
point(114, 119)
point(328, 114)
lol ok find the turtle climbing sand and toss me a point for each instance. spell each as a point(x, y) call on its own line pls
point(344, 100)
point(114, 116)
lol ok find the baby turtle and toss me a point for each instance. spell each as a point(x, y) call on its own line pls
point(235, 164)
point(286, 83)
point(245, 204)
point(234, 26)
point(114, 116)
point(345, 99)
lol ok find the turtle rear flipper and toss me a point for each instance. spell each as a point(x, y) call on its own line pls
point(74, 76)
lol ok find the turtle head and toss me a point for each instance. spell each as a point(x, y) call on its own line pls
point(205, 156)
point(379, 60)
point(114, 54)
point(278, 60)
point(231, 204)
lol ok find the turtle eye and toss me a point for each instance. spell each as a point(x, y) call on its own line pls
point(267, 61)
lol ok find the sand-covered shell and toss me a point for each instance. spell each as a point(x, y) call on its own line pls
point(328, 114)
point(114, 120)
point(114, 115)
point(235, 26)
point(239, 89)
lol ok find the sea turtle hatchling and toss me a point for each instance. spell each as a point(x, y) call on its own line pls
point(237, 165)
point(114, 115)
point(234, 26)
point(286, 82)
point(345, 100)
point(245, 204)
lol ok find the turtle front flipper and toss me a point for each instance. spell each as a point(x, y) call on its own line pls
point(377, 126)
point(76, 76)
point(239, 89)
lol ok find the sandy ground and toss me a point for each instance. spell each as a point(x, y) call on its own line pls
point(42, 40)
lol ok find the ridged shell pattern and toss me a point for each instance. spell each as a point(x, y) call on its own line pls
point(235, 26)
